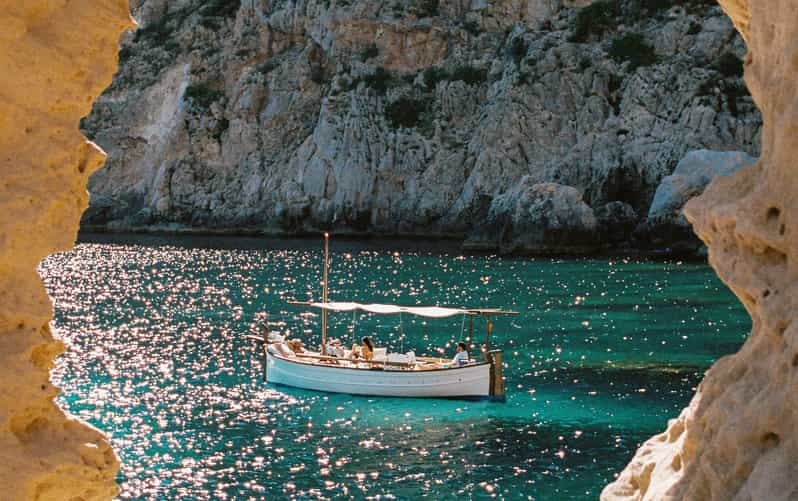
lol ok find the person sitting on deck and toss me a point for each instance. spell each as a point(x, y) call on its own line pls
point(272, 337)
point(334, 348)
point(296, 345)
point(461, 357)
point(365, 350)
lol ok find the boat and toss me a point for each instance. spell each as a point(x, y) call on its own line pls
point(387, 375)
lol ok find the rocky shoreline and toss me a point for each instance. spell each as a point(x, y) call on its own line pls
point(537, 219)
point(453, 242)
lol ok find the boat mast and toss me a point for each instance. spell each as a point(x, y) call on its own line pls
point(324, 293)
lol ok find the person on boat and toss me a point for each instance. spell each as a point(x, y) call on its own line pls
point(334, 348)
point(296, 345)
point(272, 337)
point(365, 350)
point(461, 356)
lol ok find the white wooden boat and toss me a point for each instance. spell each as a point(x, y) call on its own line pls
point(388, 375)
point(468, 381)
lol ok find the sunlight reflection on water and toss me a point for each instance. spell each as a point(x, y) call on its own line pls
point(603, 353)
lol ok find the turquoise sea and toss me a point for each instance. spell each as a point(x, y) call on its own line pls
point(603, 353)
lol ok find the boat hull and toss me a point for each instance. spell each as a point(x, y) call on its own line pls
point(468, 382)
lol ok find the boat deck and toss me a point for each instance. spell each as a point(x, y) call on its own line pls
point(421, 364)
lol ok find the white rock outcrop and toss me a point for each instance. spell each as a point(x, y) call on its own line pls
point(737, 439)
point(692, 174)
point(665, 223)
point(537, 218)
point(56, 58)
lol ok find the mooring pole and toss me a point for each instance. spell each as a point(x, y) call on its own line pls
point(497, 392)
point(324, 293)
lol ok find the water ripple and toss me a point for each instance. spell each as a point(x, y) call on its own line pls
point(603, 352)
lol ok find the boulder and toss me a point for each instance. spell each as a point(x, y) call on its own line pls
point(542, 218)
point(665, 225)
point(616, 222)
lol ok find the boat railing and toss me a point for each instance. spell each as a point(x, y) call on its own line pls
point(421, 363)
point(357, 361)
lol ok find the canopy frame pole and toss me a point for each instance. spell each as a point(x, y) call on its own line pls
point(401, 334)
point(324, 292)
point(354, 324)
point(470, 330)
point(488, 331)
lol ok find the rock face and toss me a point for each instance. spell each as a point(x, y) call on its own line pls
point(665, 222)
point(737, 439)
point(56, 57)
point(407, 116)
point(537, 218)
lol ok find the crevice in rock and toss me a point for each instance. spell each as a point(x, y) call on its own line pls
point(770, 440)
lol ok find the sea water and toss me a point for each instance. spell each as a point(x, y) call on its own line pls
point(602, 353)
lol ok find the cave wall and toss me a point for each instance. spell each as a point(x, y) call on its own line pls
point(737, 438)
point(56, 57)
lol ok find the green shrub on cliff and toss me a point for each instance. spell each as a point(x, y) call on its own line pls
point(433, 75)
point(729, 65)
point(160, 32)
point(518, 50)
point(604, 16)
point(595, 20)
point(471, 75)
point(370, 52)
point(427, 8)
point(378, 80)
point(410, 113)
point(220, 8)
point(632, 48)
point(203, 96)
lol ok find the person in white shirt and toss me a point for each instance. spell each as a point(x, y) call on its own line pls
point(461, 357)
point(334, 348)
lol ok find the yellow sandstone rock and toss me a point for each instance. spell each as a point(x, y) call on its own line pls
point(737, 439)
point(56, 56)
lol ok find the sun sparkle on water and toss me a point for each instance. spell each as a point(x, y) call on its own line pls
point(602, 354)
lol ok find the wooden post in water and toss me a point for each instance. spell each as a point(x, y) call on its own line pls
point(496, 390)
point(324, 293)
point(496, 376)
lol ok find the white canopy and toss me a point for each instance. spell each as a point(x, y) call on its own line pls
point(421, 311)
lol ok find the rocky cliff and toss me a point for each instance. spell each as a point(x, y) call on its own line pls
point(56, 58)
point(411, 116)
point(736, 440)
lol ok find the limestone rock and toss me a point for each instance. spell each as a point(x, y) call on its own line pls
point(56, 57)
point(692, 174)
point(402, 118)
point(736, 440)
point(665, 223)
point(615, 222)
point(537, 218)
